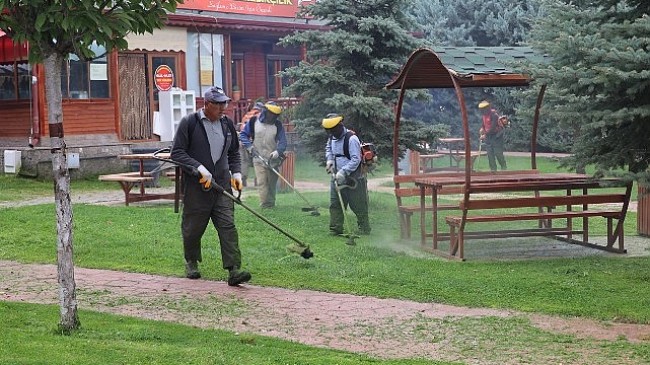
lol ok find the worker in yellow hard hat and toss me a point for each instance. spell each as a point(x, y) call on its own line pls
point(492, 134)
point(265, 139)
point(343, 163)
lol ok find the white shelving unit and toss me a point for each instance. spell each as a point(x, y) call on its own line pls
point(173, 105)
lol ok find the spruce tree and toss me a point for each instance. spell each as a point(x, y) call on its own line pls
point(598, 80)
point(467, 23)
point(346, 69)
point(474, 22)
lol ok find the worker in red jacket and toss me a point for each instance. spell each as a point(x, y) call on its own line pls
point(492, 133)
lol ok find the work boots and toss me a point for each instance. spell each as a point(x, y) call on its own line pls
point(364, 226)
point(192, 270)
point(236, 277)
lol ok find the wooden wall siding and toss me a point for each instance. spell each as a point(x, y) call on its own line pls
point(254, 68)
point(643, 212)
point(255, 73)
point(86, 117)
point(15, 119)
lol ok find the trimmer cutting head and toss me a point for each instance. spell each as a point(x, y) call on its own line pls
point(303, 251)
point(312, 211)
point(350, 239)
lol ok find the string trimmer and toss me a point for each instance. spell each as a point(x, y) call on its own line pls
point(300, 248)
point(311, 208)
point(349, 235)
point(478, 158)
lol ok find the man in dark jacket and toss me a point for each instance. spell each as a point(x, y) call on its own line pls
point(207, 140)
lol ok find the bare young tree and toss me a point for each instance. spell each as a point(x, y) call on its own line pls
point(54, 30)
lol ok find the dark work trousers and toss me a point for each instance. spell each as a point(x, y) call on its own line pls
point(357, 199)
point(222, 215)
point(494, 149)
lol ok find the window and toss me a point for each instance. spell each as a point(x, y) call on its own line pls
point(205, 61)
point(237, 72)
point(85, 79)
point(15, 80)
point(274, 65)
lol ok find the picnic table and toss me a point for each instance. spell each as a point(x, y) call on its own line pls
point(457, 154)
point(478, 206)
point(128, 180)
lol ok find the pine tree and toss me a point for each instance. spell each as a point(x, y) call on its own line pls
point(474, 22)
point(347, 68)
point(460, 23)
point(598, 79)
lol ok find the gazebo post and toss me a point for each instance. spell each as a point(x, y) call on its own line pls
point(533, 137)
point(398, 116)
point(468, 148)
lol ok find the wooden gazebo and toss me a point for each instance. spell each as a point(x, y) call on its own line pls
point(459, 68)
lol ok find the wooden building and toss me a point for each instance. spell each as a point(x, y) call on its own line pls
point(112, 100)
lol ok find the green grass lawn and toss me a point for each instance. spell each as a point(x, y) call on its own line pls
point(29, 337)
point(146, 238)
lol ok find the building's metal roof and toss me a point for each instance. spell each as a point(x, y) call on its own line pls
point(206, 20)
point(470, 66)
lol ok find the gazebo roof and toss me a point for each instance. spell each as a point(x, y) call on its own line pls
point(470, 66)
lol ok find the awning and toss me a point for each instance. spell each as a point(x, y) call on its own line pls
point(469, 66)
point(10, 51)
point(459, 68)
point(165, 39)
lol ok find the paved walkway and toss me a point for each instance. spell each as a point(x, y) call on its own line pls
point(385, 328)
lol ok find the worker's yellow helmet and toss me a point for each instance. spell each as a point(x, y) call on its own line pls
point(332, 120)
point(483, 104)
point(273, 107)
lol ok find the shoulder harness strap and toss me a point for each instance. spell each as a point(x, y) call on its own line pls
point(194, 120)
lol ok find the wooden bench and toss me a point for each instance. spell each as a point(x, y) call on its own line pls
point(405, 188)
point(611, 206)
point(459, 156)
point(426, 162)
point(128, 180)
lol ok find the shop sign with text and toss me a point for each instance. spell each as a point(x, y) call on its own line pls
point(164, 78)
point(281, 8)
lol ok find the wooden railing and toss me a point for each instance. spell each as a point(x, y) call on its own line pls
point(242, 106)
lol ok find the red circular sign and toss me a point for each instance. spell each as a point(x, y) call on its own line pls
point(164, 78)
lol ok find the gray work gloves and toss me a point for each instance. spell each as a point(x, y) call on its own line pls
point(206, 177)
point(329, 167)
point(340, 177)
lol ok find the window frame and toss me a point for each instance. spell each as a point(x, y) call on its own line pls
point(237, 72)
point(274, 82)
point(65, 86)
point(16, 79)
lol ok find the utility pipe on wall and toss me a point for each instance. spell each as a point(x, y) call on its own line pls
point(35, 136)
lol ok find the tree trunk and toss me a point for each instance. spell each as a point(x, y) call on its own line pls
point(61, 176)
point(581, 168)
